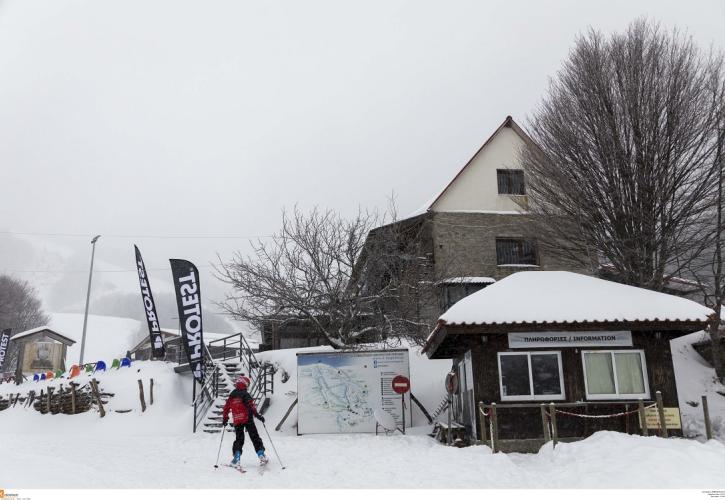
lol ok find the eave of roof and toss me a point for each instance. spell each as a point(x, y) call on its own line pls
point(39, 329)
point(442, 329)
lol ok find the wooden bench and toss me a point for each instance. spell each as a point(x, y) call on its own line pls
point(457, 432)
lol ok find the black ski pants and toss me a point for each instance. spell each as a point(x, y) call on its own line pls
point(253, 435)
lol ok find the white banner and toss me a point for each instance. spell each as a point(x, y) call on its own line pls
point(339, 391)
point(520, 340)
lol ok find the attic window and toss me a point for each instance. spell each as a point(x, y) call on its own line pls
point(510, 181)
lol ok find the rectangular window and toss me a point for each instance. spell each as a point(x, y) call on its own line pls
point(526, 376)
point(615, 375)
point(515, 251)
point(510, 181)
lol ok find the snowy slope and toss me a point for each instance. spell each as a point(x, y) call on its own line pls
point(107, 337)
point(696, 378)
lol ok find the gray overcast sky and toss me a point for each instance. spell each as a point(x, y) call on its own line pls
point(207, 117)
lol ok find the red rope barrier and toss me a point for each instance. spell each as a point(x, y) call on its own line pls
point(613, 415)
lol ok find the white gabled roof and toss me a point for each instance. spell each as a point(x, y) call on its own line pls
point(565, 297)
point(39, 329)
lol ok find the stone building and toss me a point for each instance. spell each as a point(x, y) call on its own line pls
point(474, 232)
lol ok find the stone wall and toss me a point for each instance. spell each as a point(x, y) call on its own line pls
point(465, 245)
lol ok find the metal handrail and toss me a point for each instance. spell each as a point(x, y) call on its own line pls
point(209, 389)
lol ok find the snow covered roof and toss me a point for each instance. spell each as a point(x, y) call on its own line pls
point(535, 299)
point(38, 330)
point(468, 280)
point(565, 297)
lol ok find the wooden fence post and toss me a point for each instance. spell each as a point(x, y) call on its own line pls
point(482, 419)
point(554, 430)
point(151, 393)
point(73, 398)
point(706, 413)
point(661, 413)
point(545, 424)
point(642, 418)
point(96, 392)
point(494, 428)
point(140, 395)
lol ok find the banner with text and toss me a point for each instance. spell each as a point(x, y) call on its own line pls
point(4, 343)
point(519, 340)
point(157, 341)
point(188, 301)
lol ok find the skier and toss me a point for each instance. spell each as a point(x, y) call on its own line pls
point(242, 407)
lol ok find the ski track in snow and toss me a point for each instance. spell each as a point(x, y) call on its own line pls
point(357, 461)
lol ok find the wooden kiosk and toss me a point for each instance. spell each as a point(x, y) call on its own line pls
point(595, 348)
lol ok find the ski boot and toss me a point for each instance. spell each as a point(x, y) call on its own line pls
point(263, 460)
point(236, 459)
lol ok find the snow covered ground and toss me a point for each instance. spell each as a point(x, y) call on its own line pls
point(156, 449)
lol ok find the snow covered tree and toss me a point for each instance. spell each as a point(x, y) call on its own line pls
point(311, 270)
point(622, 166)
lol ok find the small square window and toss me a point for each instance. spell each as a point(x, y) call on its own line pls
point(530, 376)
point(615, 375)
point(510, 181)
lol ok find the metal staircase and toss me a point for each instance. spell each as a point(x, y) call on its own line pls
point(226, 360)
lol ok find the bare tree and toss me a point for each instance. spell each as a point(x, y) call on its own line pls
point(708, 269)
point(350, 280)
point(623, 167)
point(20, 309)
point(305, 272)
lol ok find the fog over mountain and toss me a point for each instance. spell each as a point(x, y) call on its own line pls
point(186, 126)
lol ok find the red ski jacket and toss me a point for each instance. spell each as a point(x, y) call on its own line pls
point(242, 406)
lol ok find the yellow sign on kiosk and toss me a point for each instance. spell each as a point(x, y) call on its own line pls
point(672, 418)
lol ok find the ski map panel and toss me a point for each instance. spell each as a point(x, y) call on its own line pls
point(338, 392)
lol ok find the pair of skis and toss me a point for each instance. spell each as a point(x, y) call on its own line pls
point(261, 467)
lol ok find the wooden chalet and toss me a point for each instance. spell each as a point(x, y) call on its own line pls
point(39, 350)
point(592, 346)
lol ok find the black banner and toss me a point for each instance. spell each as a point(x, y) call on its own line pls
point(188, 301)
point(4, 343)
point(157, 341)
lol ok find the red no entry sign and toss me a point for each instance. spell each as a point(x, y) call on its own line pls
point(401, 384)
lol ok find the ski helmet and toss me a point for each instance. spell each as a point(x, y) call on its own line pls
point(242, 382)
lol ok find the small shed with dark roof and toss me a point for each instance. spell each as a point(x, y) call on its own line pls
point(552, 336)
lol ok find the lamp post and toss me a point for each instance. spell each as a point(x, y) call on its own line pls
point(88, 297)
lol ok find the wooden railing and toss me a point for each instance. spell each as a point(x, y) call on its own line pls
point(489, 417)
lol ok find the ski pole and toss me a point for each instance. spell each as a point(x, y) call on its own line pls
point(224, 430)
point(272, 443)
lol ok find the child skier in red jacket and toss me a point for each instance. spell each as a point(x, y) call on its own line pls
point(242, 407)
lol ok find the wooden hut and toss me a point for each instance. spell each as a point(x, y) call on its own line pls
point(39, 350)
point(593, 347)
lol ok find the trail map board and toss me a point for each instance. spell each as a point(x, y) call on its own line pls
point(338, 392)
